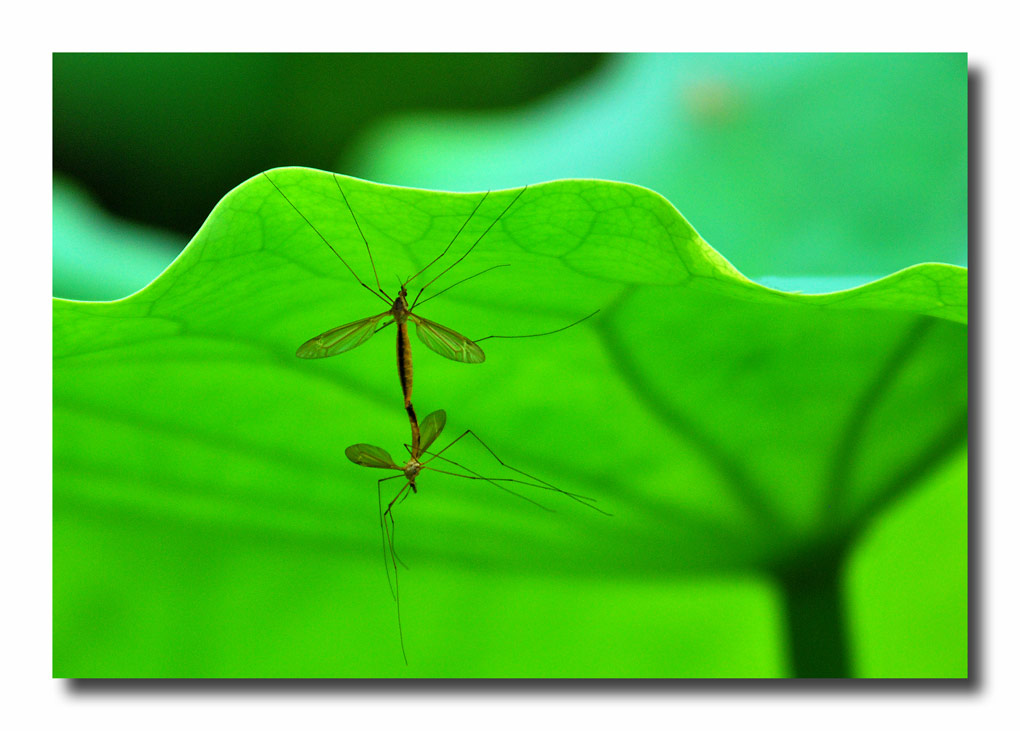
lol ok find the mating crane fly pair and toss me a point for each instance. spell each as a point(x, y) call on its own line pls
point(442, 340)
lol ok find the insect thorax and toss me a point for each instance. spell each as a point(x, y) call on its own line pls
point(400, 308)
point(412, 468)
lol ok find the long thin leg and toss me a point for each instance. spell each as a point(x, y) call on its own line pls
point(389, 533)
point(471, 248)
point(477, 476)
point(573, 495)
point(492, 481)
point(538, 335)
point(383, 327)
point(477, 274)
point(392, 533)
point(392, 526)
point(584, 500)
point(541, 485)
point(383, 296)
point(466, 221)
point(382, 529)
point(367, 247)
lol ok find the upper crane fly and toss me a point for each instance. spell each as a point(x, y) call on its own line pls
point(439, 338)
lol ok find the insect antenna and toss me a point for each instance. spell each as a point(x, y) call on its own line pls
point(538, 335)
point(380, 294)
point(468, 220)
point(470, 248)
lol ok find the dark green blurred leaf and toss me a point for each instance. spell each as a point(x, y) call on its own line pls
point(207, 521)
point(134, 126)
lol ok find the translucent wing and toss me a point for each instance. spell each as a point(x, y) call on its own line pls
point(431, 428)
point(368, 455)
point(446, 342)
point(340, 339)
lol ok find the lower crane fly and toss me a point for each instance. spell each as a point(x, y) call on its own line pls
point(368, 455)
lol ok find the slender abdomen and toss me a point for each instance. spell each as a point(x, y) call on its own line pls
point(406, 372)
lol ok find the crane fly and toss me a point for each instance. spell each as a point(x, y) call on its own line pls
point(420, 459)
point(439, 338)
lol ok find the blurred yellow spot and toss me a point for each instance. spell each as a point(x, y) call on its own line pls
point(713, 102)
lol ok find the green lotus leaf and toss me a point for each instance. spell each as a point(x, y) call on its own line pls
point(747, 442)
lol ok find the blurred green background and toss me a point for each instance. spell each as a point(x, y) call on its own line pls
point(809, 173)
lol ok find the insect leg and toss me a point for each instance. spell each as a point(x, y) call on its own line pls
point(389, 531)
point(391, 526)
point(433, 296)
point(584, 500)
point(492, 481)
point(471, 248)
point(358, 225)
point(383, 296)
point(538, 335)
point(466, 221)
point(382, 528)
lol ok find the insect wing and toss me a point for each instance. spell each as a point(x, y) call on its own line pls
point(431, 427)
point(368, 455)
point(340, 339)
point(446, 342)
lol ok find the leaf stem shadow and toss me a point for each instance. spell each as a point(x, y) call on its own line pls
point(737, 478)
